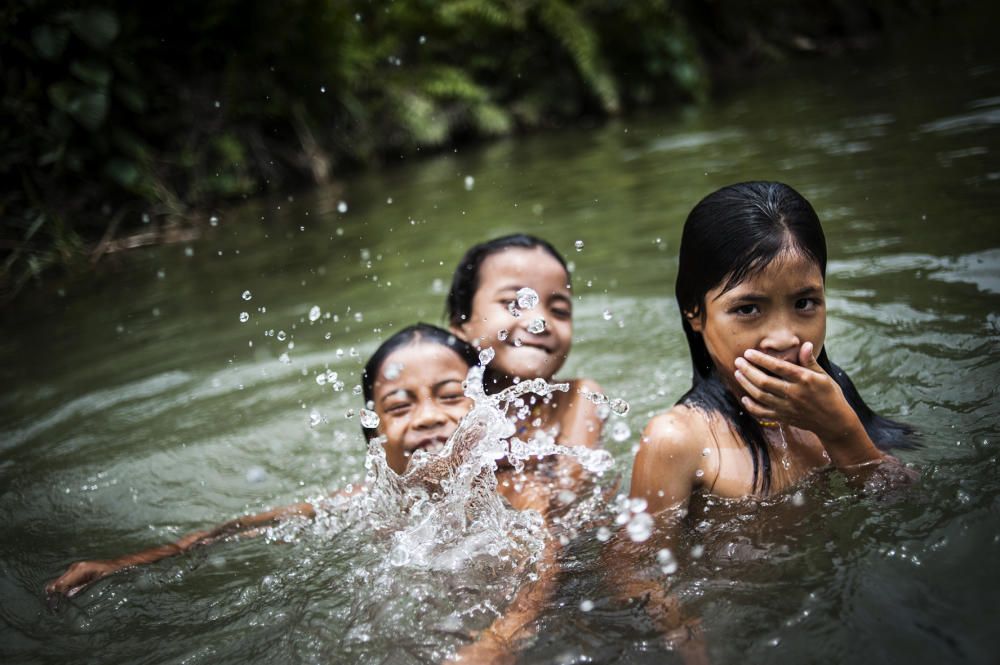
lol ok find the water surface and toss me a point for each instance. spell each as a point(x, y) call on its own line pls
point(137, 406)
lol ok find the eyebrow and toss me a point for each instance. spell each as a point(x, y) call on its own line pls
point(441, 384)
point(762, 297)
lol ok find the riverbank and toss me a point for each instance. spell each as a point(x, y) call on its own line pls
point(133, 127)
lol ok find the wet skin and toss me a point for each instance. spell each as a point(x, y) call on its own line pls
point(763, 335)
point(423, 405)
point(522, 354)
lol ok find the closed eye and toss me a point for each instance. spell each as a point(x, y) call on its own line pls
point(398, 409)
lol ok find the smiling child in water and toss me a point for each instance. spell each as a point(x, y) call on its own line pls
point(528, 342)
point(419, 406)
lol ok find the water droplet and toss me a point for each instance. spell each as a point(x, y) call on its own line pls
point(518, 343)
point(486, 355)
point(620, 431)
point(705, 452)
point(578, 244)
point(357, 390)
point(668, 564)
point(369, 419)
point(392, 371)
point(281, 336)
point(437, 286)
point(512, 308)
point(607, 315)
point(527, 298)
point(349, 414)
point(799, 499)
point(399, 556)
point(314, 313)
point(213, 220)
point(359, 317)
point(638, 504)
point(342, 207)
point(640, 527)
point(603, 534)
point(314, 418)
point(256, 474)
point(502, 334)
point(422, 39)
point(699, 473)
point(697, 551)
point(470, 182)
point(244, 317)
point(537, 326)
point(247, 295)
point(284, 359)
point(586, 605)
point(620, 406)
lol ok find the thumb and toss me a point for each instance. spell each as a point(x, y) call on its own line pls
point(807, 357)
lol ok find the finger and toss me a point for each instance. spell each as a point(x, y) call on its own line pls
point(754, 391)
point(807, 357)
point(758, 410)
point(760, 379)
point(781, 368)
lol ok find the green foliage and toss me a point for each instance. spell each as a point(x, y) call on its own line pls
point(119, 108)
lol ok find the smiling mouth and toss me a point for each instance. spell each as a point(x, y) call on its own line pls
point(431, 445)
point(529, 345)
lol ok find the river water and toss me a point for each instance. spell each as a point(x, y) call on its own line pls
point(137, 406)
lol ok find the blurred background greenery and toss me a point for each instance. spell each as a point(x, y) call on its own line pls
point(128, 123)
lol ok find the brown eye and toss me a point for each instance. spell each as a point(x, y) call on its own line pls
point(806, 304)
point(746, 310)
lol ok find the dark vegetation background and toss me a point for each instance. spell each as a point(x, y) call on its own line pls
point(125, 123)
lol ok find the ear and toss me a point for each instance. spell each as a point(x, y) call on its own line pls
point(694, 319)
point(459, 332)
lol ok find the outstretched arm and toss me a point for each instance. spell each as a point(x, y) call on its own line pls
point(82, 574)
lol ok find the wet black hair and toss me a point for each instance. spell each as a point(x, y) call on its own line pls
point(419, 332)
point(465, 281)
point(730, 236)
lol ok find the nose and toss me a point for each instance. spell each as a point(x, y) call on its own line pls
point(781, 341)
point(428, 415)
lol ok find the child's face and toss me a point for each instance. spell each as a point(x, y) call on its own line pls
point(522, 354)
point(774, 312)
point(421, 407)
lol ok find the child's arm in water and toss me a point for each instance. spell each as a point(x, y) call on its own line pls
point(807, 397)
point(579, 424)
point(665, 475)
point(498, 643)
point(82, 574)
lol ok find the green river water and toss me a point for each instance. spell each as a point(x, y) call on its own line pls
point(137, 406)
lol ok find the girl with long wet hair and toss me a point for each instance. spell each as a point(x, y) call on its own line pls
point(766, 407)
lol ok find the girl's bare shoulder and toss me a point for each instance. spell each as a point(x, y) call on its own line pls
point(678, 428)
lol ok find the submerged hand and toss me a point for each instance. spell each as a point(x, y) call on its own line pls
point(79, 576)
point(801, 395)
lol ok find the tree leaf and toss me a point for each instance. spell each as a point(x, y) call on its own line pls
point(96, 27)
point(122, 171)
point(89, 108)
point(49, 41)
point(91, 72)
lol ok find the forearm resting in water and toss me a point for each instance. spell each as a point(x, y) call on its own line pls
point(84, 573)
point(625, 563)
point(497, 644)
